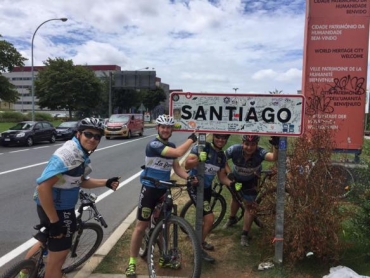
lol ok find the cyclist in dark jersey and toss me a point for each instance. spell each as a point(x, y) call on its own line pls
point(57, 191)
point(160, 158)
point(247, 159)
point(215, 161)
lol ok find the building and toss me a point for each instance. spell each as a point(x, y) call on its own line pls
point(21, 77)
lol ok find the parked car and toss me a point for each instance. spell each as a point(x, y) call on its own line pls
point(66, 130)
point(29, 132)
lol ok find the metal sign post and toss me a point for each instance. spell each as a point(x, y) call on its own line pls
point(280, 200)
point(200, 189)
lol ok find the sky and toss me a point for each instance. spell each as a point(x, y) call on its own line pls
point(212, 46)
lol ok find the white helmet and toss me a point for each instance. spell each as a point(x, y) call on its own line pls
point(165, 120)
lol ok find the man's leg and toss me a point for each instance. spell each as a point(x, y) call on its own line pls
point(136, 239)
point(55, 263)
point(234, 206)
point(207, 227)
point(247, 223)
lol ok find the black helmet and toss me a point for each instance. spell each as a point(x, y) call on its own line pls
point(217, 135)
point(92, 123)
point(250, 138)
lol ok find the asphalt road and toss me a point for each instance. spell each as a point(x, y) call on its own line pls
point(20, 166)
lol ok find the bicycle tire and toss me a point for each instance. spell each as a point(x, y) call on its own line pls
point(14, 271)
point(90, 240)
point(340, 180)
point(219, 207)
point(182, 247)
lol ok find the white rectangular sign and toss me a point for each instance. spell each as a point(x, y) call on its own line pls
point(271, 114)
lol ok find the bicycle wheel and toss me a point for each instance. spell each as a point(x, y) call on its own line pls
point(27, 266)
point(339, 181)
point(176, 253)
point(218, 205)
point(85, 242)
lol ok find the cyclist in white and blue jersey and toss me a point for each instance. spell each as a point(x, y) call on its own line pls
point(215, 161)
point(57, 191)
point(247, 159)
point(160, 158)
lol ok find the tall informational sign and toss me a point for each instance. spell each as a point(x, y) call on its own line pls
point(335, 68)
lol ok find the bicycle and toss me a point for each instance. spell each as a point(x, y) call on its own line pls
point(167, 250)
point(337, 180)
point(219, 204)
point(86, 240)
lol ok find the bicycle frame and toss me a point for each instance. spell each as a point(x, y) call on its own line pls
point(161, 211)
point(87, 200)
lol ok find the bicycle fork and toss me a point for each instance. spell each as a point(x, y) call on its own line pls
point(75, 242)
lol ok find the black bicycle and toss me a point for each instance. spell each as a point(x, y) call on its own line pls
point(169, 251)
point(219, 204)
point(86, 240)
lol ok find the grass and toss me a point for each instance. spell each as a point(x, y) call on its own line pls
point(233, 260)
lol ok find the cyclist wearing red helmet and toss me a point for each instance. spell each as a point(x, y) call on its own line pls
point(247, 159)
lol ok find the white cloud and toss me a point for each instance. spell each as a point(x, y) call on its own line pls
point(196, 45)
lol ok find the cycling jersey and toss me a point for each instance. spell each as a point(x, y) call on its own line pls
point(71, 165)
point(215, 161)
point(245, 169)
point(157, 165)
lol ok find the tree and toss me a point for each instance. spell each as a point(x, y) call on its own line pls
point(275, 92)
point(125, 98)
point(9, 58)
point(151, 98)
point(62, 85)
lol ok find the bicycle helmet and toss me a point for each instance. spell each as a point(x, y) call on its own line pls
point(250, 138)
point(165, 120)
point(92, 123)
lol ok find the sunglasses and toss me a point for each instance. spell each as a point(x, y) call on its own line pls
point(90, 135)
point(221, 137)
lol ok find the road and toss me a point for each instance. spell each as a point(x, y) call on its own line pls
point(20, 166)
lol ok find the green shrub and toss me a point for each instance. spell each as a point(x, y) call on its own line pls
point(9, 116)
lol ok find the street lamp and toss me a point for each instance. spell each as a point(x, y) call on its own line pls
point(32, 72)
point(142, 69)
point(235, 89)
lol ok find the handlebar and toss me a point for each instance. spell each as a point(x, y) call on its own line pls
point(88, 200)
point(168, 184)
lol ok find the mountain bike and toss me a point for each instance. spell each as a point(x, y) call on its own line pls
point(219, 204)
point(169, 251)
point(86, 240)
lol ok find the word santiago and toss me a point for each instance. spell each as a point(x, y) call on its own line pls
point(268, 115)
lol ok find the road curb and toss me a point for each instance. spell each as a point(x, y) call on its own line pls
point(95, 260)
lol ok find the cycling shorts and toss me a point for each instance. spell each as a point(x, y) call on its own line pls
point(68, 217)
point(149, 197)
point(192, 190)
point(249, 189)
